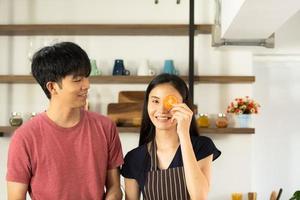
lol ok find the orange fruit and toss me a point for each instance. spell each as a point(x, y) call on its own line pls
point(169, 101)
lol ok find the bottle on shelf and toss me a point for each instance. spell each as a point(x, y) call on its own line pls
point(32, 114)
point(222, 121)
point(203, 121)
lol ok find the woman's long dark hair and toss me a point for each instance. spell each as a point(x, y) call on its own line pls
point(147, 132)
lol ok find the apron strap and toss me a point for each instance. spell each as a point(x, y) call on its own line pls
point(153, 156)
point(167, 184)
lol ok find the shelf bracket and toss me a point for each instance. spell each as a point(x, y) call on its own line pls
point(217, 41)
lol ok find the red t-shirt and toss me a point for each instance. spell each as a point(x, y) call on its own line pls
point(64, 163)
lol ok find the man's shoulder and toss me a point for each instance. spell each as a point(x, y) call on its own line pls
point(98, 117)
point(98, 120)
point(29, 129)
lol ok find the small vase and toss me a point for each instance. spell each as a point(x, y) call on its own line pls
point(119, 68)
point(243, 120)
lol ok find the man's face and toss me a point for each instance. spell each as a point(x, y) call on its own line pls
point(73, 91)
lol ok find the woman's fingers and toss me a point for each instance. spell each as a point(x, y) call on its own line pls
point(183, 108)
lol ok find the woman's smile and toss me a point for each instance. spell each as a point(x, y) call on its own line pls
point(163, 118)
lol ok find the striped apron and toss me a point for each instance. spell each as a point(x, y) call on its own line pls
point(168, 184)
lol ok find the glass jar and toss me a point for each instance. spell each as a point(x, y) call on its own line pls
point(32, 114)
point(203, 121)
point(222, 121)
point(15, 119)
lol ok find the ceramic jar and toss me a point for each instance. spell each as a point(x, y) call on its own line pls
point(221, 121)
point(15, 119)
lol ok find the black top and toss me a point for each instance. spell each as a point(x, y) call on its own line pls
point(137, 161)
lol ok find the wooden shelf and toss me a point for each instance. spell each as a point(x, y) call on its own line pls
point(201, 130)
point(6, 129)
point(9, 129)
point(17, 79)
point(227, 130)
point(102, 29)
point(224, 79)
point(135, 79)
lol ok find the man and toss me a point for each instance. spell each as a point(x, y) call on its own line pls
point(64, 153)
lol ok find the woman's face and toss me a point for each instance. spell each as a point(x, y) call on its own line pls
point(160, 116)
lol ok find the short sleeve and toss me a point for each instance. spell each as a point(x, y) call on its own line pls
point(115, 155)
point(128, 168)
point(204, 146)
point(18, 162)
point(136, 165)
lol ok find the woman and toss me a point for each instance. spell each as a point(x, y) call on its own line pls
point(172, 161)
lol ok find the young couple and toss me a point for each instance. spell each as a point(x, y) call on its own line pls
point(68, 153)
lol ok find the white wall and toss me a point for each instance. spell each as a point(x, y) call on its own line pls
point(277, 140)
point(236, 170)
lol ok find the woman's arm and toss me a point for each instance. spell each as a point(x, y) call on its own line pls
point(132, 191)
point(197, 174)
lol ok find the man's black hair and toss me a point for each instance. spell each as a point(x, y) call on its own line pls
point(53, 63)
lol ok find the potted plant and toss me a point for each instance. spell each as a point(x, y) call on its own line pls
point(243, 108)
point(296, 195)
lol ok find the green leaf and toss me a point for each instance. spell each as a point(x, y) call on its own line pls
point(297, 193)
point(296, 196)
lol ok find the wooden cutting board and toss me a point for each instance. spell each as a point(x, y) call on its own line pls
point(125, 114)
point(131, 96)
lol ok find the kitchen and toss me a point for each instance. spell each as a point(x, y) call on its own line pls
point(260, 162)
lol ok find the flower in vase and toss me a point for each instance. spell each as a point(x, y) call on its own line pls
point(243, 106)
